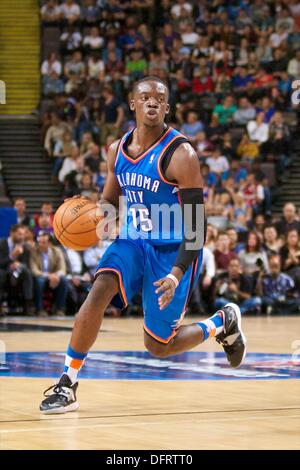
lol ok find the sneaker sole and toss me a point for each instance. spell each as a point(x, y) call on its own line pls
point(62, 410)
point(239, 321)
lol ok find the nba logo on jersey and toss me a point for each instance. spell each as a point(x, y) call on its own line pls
point(152, 158)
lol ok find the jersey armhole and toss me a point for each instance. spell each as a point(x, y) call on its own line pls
point(167, 155)
point(117, 152)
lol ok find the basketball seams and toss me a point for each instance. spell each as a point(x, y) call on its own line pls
point(79, 233)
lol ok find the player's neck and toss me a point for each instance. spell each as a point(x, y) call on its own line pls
point(145, 136)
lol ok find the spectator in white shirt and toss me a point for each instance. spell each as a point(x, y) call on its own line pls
point(217, 163)
point(50, 12)
point(258, 130)
point(276, 39)
point(70, 163)
point(182, 8)
point(96, 67)
point(70, 11)
point(93, 40)
point(189, 36)
point(92, 256)
point(51, 65)
point(294, 65)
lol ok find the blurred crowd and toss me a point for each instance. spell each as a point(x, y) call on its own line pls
point(230, 66)
point(260, 271)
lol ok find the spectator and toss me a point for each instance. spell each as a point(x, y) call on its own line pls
point(211, 237)
point(258, 130)
point(50, 12)
point(51, 64)
point(225, 111)
point(112, 115)
point(14, 267)
point(86, 186)
point(75, 67)
point(223, 254)
point(136, 65)
point(49, 271)
point(93, 41)
point(22, 217)
point(79, 280)
point(203, 145)
point(272, 243)
point(290, 256)
point(181, 9)
point(276, 289)
point(234, 244)
point(44, 224)
point(70, 163)
point(192, 126)
point(92, 255)
point(54, 133)
point(294, 65)
point(289, 221)
point(70, 40)
point(70, 11)
point(235, 286)
point(245, 112)
point(95, 67)
point(90, 12)
point(62, 150)
point(217, 163)
point(253, 258)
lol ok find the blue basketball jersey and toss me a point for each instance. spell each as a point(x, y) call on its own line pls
point(152, 205)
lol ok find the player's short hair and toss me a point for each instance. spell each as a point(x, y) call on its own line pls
point(150, 78)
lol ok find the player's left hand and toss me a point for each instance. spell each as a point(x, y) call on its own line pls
point(167, 286)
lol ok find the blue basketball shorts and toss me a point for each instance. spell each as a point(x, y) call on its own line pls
point(137, 264)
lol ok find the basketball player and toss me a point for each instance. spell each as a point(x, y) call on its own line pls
point(150, 165)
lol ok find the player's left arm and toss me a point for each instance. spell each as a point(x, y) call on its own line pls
point(184, 168)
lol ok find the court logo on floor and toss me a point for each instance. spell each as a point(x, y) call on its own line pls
point(139, 365)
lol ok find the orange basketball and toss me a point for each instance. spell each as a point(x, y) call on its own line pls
point(75, 223)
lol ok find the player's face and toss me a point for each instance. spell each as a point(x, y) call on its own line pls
point(150, 103)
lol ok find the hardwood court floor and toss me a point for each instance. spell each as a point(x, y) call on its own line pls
point(158, 414)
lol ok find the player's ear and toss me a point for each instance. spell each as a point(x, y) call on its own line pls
point(167, 108)
point(131, 105)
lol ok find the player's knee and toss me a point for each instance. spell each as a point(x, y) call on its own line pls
point(155, 348)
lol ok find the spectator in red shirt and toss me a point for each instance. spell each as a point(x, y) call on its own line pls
point(223, 253)
point(201, 83)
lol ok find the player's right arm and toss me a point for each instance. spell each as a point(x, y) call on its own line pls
point(112, 190)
